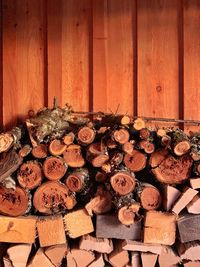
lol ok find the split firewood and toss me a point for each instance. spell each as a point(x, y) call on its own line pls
point(25, 151)
point(73, 156)
point(139, 124)
point(192, 264)
point(7, 262)
point(97, 154)
point(147, 146)
point(101, 203)
point(78, 223)
point(30, 175)
point(148, 259)
point(13, 202)
point(194, 205)
point(86, 135)
point(181, 143)
point(40, 258)
point(149, 195)
point(51, 230)
point(68, 139)
point(56, 253)
point(135, 259)
point(123, 182)
point(189, 227)
point(168, 257)
point(8, 139)
point(189, 251)
point(77, 180)
point(57, 147)
point(108, 226)
point(18, 254)
point(52, 197)
point(168, 169)
point(159, 228)
point(118, 257)
point(184, 199)
point(128, 147)
point(79, 258)
point(101, 245)
point(170, 195)
point(195, 183)
point(142, 247)
point(54, 168)
point(98, 262)
point(18, 230)
point(136, 161)
point(40, 151)
point(121, 136)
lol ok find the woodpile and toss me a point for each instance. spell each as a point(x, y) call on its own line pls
point(98, 190)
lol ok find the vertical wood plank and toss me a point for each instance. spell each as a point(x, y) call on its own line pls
point(68, 52)
point(191, 61)
point(23, 58)
point(158, 80)
point(113, 55)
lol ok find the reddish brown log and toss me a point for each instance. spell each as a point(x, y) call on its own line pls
point(127, 214)
point(30, 175)
point(77, 180)
point(73, 156)
point(57, 147)
point(145, 133)
point(13, 202)
point(96, 154)
point(40, 151)
point(121, 136)
point(86, 135)
point(52, 197)
point(54, 168)
point(136, 161)
point(128, 147)
point(123, 183)
point(25, 151)
point(148, 147)
point(149, 196)
point(100, 177)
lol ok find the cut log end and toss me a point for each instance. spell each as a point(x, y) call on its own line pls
point(25, 151)
point(73, 156)
point(181, 148)
point(127, 214)
point(86, 135)
point(76, 181)
point(6, 142)
point(148, 147)
point(40, 151)
point(150, 198)
point(57, 147)
point(128, 148)
point(100, 160)
point(139, 124)
point(121, 136)
point(54, 168)
point(123, 183)
point(136, 161)
point(145, 133)
point(68, 139)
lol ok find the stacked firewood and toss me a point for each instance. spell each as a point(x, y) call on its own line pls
point(98, 190)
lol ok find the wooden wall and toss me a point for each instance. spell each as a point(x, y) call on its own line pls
point(136, 56)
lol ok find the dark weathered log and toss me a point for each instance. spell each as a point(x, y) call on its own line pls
point(121, 136)
point(77, 180)
point(54, 168)
point(73, 156)
point(40, 151)
point(30, 175)
point(57, 147)
point(123, 182)
point(52, 197)
point(13, 202)
point(86, 135)
point(136, 161)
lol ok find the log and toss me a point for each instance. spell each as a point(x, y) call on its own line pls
point(121, 136)
point(145, 133)
point(77, 180)
point(79, 258)
point(25, 151)
point(142, 247)
point(78, 223)
point(189, 251)
point(195, 183)
point(73, 156)
point(54, 168)
point(18, 254)
point(68, 139)
point(148, 146)
point(100, 177)
point(108, 226)
point(40, 151)
point(40, 258)
point(98, 262)
point(51, 230)
point(148, 259)
point(118, 257)
point(149, 195)
point(86, 135)
point(139, 124)
point(52, 197)
point(8, 139)
point(189, 227)
point(127, 214)
point(13, 202)
point(181, 143)
point(123, 182)
point(56, 253)
point(159, 228)
point(166, 141)
point(185, 198)
point(30, 175)
point(57, 147)
point(194, 205)
point(170, 195)
point(97, 154)
point(101, 245)
point(170, 170)
point(18, 230)
point(168, 257)
point(136, 161)
point(128, 147)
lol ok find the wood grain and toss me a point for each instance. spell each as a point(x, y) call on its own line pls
point(23, 58)
point(113, 71)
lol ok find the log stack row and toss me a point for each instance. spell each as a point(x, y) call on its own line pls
point(127, 185)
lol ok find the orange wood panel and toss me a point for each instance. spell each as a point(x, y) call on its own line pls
point(113, 55)
point(23, 58)
point(192, 61)
point(68, 52)
point(158, 80)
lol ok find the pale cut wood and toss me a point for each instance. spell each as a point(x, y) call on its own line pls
point(195, 183)
point(78, 223)
point(79, 258)
point(23, 58)
point(142, 247)
point(135, 259)
point(102, 245)
point(118, 257)
point(39, 259)
point(194, 205)
point(192, 264)
point(170, 194)
point(148, 259)
point(7, 262)
point(56, 253)
point(189, 227)
point(98, 262)
point(168, 257)
point(189, 251)
point(19, 254)
point(18, 230)
point(159, 228)
point(184, 200)
point(51, 230)
point(113, 55)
